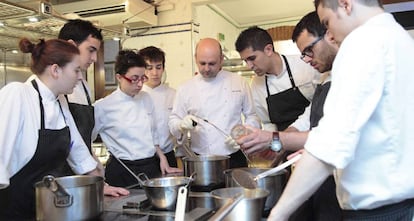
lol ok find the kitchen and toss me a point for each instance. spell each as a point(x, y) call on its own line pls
point(181, 64)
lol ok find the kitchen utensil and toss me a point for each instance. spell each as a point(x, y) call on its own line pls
point(181, 204)
point(187, 146)
point(274, 183)
point(249, 208)
point(69, 198)
point(209, 169)
point(226, 135)
point(163, 192)
point(249, 181)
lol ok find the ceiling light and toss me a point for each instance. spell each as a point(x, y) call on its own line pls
point(116, 38)
point(14, 51)
point(33, 19)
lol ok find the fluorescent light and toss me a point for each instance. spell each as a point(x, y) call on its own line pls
point(33, 19)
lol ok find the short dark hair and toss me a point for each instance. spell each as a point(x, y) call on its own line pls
point(49, 52)
point(78, 30)
point(153, 54)
point(253, 37)
point(310, 23)
point(127, 59)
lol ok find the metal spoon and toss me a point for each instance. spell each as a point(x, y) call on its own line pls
point(226, 135)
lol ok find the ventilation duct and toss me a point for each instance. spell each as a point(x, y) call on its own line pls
point(112, 14)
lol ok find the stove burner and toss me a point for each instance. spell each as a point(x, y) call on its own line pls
point(208, 188)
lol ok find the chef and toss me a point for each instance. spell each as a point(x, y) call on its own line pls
point(213, 98)
point(163, 97)
point(125, 121)
point(284, 85)
point(88, 39)
point(37, 131)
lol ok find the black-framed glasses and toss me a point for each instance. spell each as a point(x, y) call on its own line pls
point(135, 79)
point(308, 51)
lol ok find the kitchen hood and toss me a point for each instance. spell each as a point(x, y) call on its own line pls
point(112, 14)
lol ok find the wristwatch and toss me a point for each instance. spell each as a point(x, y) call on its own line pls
point(275, 145)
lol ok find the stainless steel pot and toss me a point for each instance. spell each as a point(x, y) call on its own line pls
point(274, 183)
point(163, 192)
point(208, 169)
point(69, 198)
point(249, 208)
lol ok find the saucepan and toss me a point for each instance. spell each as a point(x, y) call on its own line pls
point(209, 169)
point(69, 198)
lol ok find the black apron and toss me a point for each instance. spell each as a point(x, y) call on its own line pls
point(318, 101)
point(17, 201)
point(285, 107)
point(85, 121)
point(117, 175)
point(84, 118)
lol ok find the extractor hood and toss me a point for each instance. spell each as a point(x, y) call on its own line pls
point(112, 14)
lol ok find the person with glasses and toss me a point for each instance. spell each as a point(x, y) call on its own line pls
point(364, 138)
point(163, 97)
point(318, 49)
point(125, 121)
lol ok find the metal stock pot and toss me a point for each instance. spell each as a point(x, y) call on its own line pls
point(208, 169)
point(69, 198)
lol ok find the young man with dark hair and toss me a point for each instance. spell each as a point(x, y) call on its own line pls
point(163, 97)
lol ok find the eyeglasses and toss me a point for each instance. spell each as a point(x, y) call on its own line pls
point(135, 79)
point(308, 51)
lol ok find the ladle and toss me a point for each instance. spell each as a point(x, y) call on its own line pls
point(222, 132)
point(249, 181)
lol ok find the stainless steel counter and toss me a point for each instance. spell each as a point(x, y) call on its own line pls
point(113, 208)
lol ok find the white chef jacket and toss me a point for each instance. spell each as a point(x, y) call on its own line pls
point(366, 131)
point(163, 98)
point(303, 121)
point(20, 124)
point(126, 125)
point(221, 101)
point(303, 75)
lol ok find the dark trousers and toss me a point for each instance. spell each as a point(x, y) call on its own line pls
point(117, 175)
point(402, 211)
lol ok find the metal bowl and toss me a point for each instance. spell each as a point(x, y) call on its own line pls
point(163, 192)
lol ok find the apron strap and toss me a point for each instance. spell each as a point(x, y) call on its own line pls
point(289, 73)
point(88, 98)
point(42, 110)
point(87, 94)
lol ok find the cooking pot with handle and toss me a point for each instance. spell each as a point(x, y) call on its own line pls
point(69, 198)
point(209, 169)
